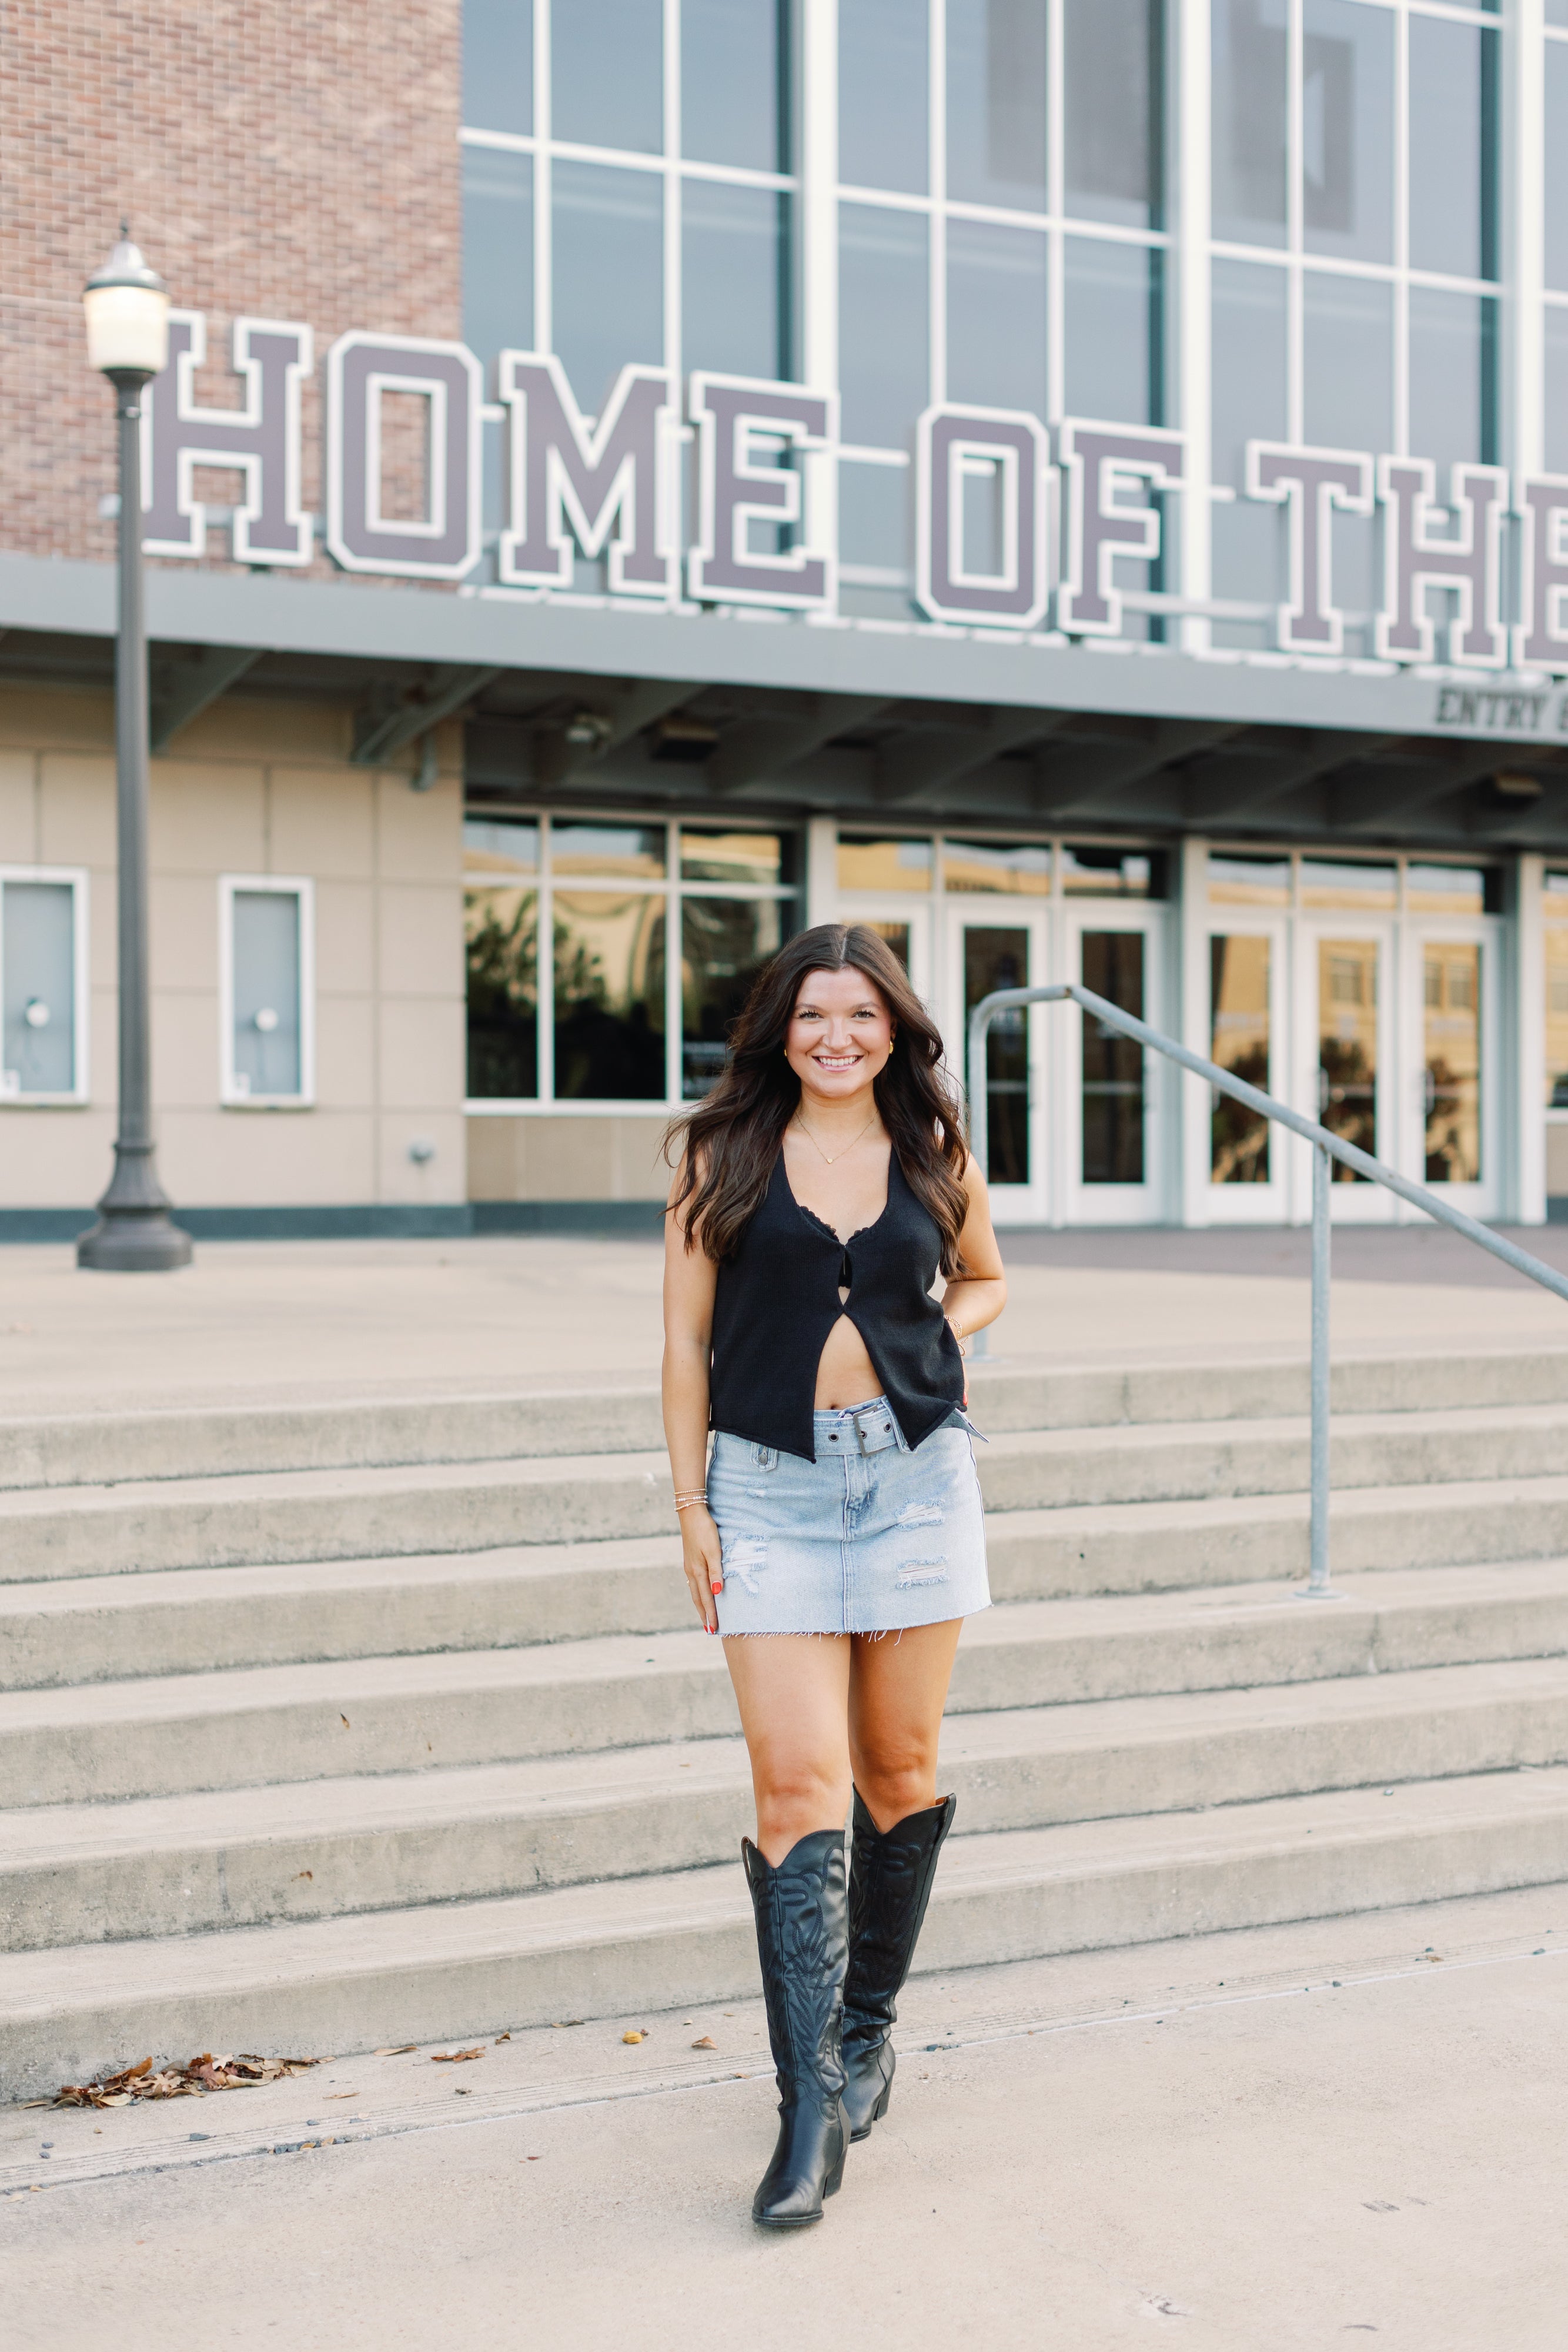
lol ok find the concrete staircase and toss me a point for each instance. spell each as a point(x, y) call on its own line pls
point(328, 1726)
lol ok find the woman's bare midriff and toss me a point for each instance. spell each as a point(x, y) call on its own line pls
point(846, 1373)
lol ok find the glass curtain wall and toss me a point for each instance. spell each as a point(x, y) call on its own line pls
point(1355, 215)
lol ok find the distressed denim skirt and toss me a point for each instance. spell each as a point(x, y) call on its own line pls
point(870, 1538)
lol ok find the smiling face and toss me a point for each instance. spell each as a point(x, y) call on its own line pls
point(840, 1037)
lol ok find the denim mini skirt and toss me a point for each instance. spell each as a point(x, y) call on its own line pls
point(870, 1538)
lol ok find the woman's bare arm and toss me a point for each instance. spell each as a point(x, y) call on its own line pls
point(690, 1278)
point(977, 1296)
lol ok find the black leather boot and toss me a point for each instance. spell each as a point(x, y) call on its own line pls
point(802, 1941)
point(888, 1895)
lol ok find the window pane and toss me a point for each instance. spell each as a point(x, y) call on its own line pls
point(1250, 53)
point(1557, 11)
point(1248, 881)
point(1327, 883)
point(1347, 130)
point(720, 854)
point(867, 862)
point(609, 274)
point(610, 996)
point(1113, 1106)
point(1452, 993)
point(1238, 1016)
point(267, 991)
point(997, 958)
point(1453, 108)
point(1089, 873)
point(1113, 106)
point(37, 989)
point(884, 324)
point(1453, 361)
point(1349, 337)
point(1555, 319)
point(996, 316)
point(882, 99)
point(1111, 331)
point(1448, 889)
point(499, 65)
point(725, 942)
point(735, 279)
point(1347, 1046)
point(501, 929)
point(607, 73)
point(1556, 162)
point(874, 518)
point(1557, 992)
point(629, 852)
point(996, 102)
point(497, 252)
point(734, 82)
point(1021, 868)
point(1248, 402)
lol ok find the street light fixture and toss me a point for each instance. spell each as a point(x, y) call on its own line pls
point(126, 308)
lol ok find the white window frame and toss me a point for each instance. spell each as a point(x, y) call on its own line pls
point(75, 877)
point(231, 1094)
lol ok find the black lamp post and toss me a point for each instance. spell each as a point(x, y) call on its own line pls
point(127, 306)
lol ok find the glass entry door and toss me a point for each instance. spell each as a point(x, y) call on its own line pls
point(1004, 952)
point(1349, 1040)
point(1110, 1127)
point(1456, 1142)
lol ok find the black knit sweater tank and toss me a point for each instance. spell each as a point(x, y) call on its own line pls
point(778, 1299)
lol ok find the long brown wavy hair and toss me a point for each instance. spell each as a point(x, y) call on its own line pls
point(728, 1142)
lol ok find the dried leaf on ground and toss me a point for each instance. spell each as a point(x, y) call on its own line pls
point(397, 2049)
point(634, 2037)
point(454, 2057)
point(503, 2037)
point(705, 2041)
point(192, 2081)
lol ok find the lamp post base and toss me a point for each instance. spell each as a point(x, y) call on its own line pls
point(135, 1233)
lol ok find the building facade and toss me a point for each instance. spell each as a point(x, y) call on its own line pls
point(1081, 485)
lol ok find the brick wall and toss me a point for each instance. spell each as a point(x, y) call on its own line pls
point(292, 159)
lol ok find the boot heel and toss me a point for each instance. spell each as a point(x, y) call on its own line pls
point(880, 2109)
point(834, 2180)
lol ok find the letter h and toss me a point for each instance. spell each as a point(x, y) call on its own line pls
point(260, 440)
point(1414, 561)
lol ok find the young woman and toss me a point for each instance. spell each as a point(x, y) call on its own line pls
point(822, 1187)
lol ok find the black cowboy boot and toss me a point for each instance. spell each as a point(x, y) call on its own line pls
point(801, 1939)
point(891, 1888)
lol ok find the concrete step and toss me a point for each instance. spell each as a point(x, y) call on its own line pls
point(291, 1516)
point(616, 1947)
point(188, 1864)
point(113, 1448)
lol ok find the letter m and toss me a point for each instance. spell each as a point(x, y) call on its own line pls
point(573, 480)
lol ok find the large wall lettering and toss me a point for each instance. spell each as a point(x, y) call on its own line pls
point(727, 497)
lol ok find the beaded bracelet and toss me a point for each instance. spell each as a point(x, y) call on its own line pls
point(690, 1502)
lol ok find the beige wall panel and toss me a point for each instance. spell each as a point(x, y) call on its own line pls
point(494, 1167)
point(438, 1181)
point(18, 809)
point(235, 728)
point(78, 810)
point(423, 1045)
point(345, 933)
point(530, 1158)
point(44, 716)
point(185, 1068)
point(321, 821)
point(183, 912)
point(641, 1173)
point(103, 1045)
point(1557, 1161)
point(421, 833)
point(345, 1053)
point(55, 1158)
point(420, 950)
point(246, 1158)
point(206, 819)
point(567, 1160)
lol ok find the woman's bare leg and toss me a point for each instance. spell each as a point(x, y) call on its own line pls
point(792, 1690)
point(898, 1687)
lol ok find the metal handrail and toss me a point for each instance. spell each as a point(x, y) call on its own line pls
point(1326, 1147)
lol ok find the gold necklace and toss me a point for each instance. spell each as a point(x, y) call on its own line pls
point(837, 1155)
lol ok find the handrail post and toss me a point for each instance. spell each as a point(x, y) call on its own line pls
point(1318, 1587)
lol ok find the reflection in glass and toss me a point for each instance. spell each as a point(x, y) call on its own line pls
point(734, 82)
point(1248, 881)
point(609, 274)
point(1453, 148)
point(1112, 332)
point(897, 938)
point(1251, 54)
point(628, 852)
point(735, 279)
point(265, 955)
point(993, 960)
point(884, 313)
point(609, 996)
point(1557, 11)
point(37, 987)
point(1453, 373)
point(1113, 1076)
point(1104, 873)
point(1347, 1046)
point(1554, 320)
point(498, 251)
point(607, 74)
point(1451, 997)
point(1347, 130)
point(1021, 868)
point(725, 942)
point(500, 866)
point(726, 853)
point(1239, 1034)
point(873, 862)
point(1349, 336)
point(1556, 164)
point(1557, 992)
point(996, 102)
point(884, 114)
point(996, 316)
point(1247, 401)
point(1453, 890)
point(875, 516)
point(1330, 882)
point(1114, 95)
point(499, 65)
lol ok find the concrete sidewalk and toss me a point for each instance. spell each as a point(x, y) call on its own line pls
point(277, 1321)
point(1272, 2139)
